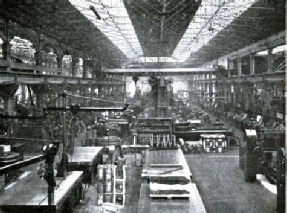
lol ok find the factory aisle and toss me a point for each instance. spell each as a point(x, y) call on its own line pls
point(132, 184)
point(222, 187)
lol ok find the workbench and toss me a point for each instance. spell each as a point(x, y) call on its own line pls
point(191, 205)
point(164, 158)
point(85, 159)
point(30, 194)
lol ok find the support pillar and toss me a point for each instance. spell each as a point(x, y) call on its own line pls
point(38, 56)
point(93, 88)
point(228, 67)
point(7, 93)
point(212, 91)
point(252, 64)
point(40, 100)
point(85, 67)
point(239, 66)
point(162, 98)
point(75, 60)
point(23, 94)
point(85, 72)
point(269, 61)
point(205, 89)
point(40, 91)
point(60, 62)
point(225, 93)
point(93, 67)
point(235, 93)
point(8, 105)
point(6, 46)
point(252, 97)
point(98, 69)
point(83, 93)
point(6, 49)
point(241, 96)
point(247, 93)
point(229, 94)
point(196, 82)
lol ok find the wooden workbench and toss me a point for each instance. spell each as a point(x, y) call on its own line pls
point(85, 159)
point(29, 194)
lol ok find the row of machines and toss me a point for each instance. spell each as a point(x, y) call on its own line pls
point(208, 143)
point(155, 132)
point(192, 135)
point(197, 137)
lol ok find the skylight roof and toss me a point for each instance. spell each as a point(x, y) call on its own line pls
point(211, 17)
point(114, 23)
point(277, 49)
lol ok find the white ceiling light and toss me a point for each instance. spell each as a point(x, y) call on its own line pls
point(112, 19)
point(211, 17)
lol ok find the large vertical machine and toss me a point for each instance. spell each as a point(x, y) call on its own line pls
point(263, 152)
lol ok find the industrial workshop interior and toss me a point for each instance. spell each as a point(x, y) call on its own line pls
point(142, 106)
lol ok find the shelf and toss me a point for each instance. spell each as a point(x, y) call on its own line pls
point(116, 193)
point(119, 195)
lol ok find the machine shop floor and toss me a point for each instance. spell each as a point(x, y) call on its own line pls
point(218, 178)
point(221, 185)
